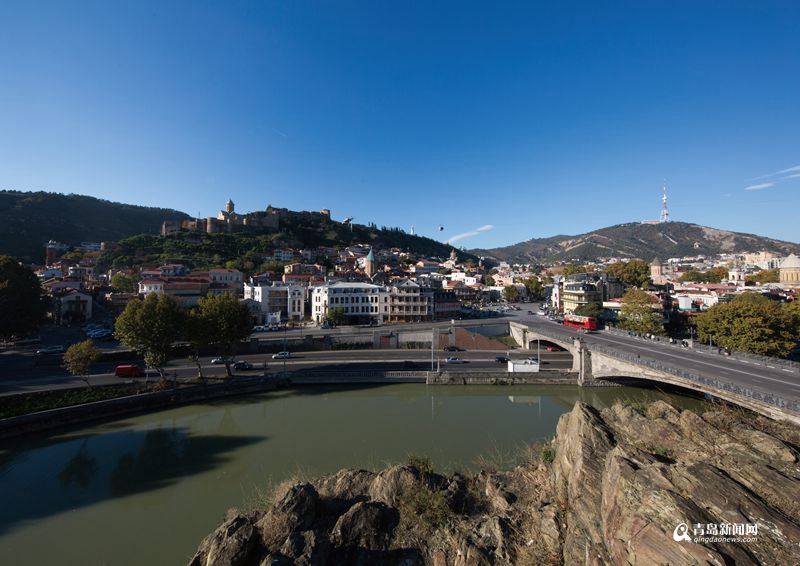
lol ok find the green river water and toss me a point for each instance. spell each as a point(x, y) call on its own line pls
point(147, 489)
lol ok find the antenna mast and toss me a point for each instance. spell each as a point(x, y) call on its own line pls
point(664, 209)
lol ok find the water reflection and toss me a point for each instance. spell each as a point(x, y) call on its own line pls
point(83, 471)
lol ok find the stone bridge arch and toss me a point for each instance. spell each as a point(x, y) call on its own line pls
point(526, 337)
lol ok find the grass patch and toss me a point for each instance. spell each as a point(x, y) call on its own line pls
point(425, 508)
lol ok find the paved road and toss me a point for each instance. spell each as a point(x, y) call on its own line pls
point(783, 382)
point(55, 378)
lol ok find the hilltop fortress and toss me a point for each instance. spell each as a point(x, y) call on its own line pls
point(228, 220)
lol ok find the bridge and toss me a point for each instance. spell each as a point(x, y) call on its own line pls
point(768, 387)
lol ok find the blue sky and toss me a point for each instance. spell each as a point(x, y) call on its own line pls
point(533, 120)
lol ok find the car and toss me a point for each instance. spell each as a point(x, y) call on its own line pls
point(501, 359)
point(259, 329)
point(281, 356)
point(50, 350)
point(129, 370)
point(530, 312)
point(100, 334)
point(532, 359)
point(242, 366)
point(455, 360)
point(452, 349)
point(222, 360)
point(553, 348)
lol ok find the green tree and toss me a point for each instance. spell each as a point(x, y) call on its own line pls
point(79, 358)
point(714, 275)
point(762, 277)
point(641, 312)
point(488, 280)
point(574, 268)
point(632, 273)
point(751, 323)
point(123, 283)
point(590, 309)
point(22, 308)
point(226, 322)
point(510, 293)
point(335, 315)
point(149, 327)
point(534, 287)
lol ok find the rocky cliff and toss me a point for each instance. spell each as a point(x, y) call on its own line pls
point(611, 489)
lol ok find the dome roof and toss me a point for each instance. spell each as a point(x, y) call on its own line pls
point(791, 262)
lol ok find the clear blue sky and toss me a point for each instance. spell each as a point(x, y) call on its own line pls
point(538, 120)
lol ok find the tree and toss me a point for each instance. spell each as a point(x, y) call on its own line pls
point(149, 327)
point(534, 287)
point(574, 268)
point(762, 277)
point(641, 312)
point(226, 322)
point(79, 358)
point(335, 315)
point(22, 308)
point(633, 273)
point(510, 293)
point(590, 309)
point(488, 280)
point(751, 323)
point(714, 275)
point(123, 283)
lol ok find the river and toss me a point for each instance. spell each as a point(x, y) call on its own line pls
point(146, 489)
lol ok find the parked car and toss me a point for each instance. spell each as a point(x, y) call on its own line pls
point(129, 370)
point(281, 356)
point(259, 329)
point(222, 360)
point(453, 349)
point(241, 366)
point(455, 360)
point(501, 359)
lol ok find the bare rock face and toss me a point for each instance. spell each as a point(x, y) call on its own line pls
point(232, 544)
point(614, 491)
point(627, 480)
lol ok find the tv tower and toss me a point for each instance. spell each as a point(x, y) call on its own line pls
point(664, 209)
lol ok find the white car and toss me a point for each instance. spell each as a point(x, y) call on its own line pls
point(455, 360)
point(281, 356)
point(259, 329)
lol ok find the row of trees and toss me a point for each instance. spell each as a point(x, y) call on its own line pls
point(150, 327)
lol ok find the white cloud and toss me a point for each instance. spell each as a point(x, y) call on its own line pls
point(792, 176)
point(464, 235)
point(789, 170)
point(759, 186)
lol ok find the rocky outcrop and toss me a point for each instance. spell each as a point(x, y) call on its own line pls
point(611, 488)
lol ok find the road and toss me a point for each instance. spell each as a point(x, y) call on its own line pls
point(774, 380)
point(341, 360)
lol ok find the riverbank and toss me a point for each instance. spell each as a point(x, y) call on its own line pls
point(615, 486)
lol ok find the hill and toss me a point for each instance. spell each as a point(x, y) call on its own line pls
point(636, 240)
point(245, 250)
point(28, 220)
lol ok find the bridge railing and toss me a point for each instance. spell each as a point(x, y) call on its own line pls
point(736, 354)
point(710, 382)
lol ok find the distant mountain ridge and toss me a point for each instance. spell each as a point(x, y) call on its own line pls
point(637, 240)
point(28, 220)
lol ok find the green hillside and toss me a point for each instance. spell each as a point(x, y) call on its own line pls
point(28, 220)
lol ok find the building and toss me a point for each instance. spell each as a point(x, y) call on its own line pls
point(790, 271)
point(72, 306)
point(228, 279)
point(657, 272)
point(408, 303)
point(369, 264)
point(360, 303)
point(446, 305)
point(278, 302)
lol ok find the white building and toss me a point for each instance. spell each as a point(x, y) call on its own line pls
point(230, 278)
point(359, 302)
point(278, 302)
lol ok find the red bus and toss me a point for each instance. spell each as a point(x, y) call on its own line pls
point(577, 321)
